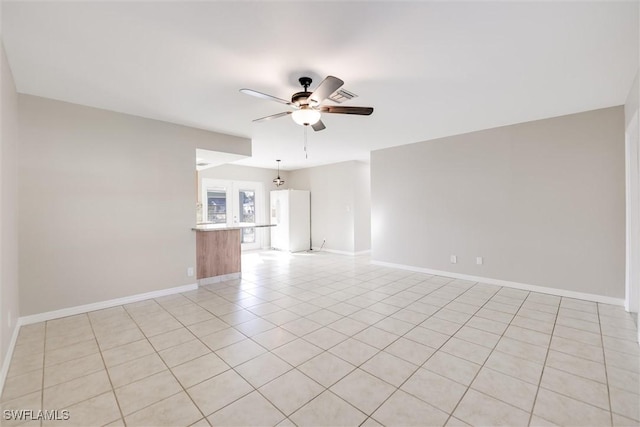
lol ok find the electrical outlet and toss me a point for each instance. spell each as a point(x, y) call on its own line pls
point(454, 259)
point(479, 260)
point(190, 271)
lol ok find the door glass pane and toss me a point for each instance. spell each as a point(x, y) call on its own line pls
point(247, 206)
point(249, 235)
point(217, 206)
point(247, 211)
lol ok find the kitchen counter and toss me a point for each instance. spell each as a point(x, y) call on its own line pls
point(211, 227)
point(218, 254)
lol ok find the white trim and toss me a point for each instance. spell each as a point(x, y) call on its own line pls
point(7, 360)
point(334, 251)
point(632, 187)
point(79, 309)
point(534, 288)
point(366, 252)
point(218, 279)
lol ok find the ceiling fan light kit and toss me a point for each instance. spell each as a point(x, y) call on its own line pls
point(308, 106)
point(306, 116)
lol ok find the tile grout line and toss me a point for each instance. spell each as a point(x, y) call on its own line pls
point(44, 359)
point(401, 336)
point(325, 389)
point(113, 390)
point(338, 397)
point(548, 346)
point(326, 351)
point(396, 284)
point(419, 366)
point(232, 368)
point(51, 366)
point(390, 315)
point(589, 379)
point(168, 368)
point(544, 364)
point(604, 363)
point(59, 348)
point(301, 406)
point(468, 387)
point(382, 349)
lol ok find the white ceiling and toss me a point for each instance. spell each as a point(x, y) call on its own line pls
point(206, 159)
point(429, 69)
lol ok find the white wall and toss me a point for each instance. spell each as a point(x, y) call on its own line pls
point(340, 213)
point(244, 173)
point(107, 203)
point(542, 202)
point(362, 207)
point(9, 305)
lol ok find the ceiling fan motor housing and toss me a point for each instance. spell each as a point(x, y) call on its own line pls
point(300, 98)
point(305, 82)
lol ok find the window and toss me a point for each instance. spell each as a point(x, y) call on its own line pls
point(247, 209)
point(217, 206)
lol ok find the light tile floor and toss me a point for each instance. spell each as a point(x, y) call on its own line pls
point(321, 339)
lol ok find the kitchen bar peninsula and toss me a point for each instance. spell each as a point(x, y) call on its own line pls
point(218, 252)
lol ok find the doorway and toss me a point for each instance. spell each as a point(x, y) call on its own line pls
point(235, 204)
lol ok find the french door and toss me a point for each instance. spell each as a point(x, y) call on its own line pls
point(235, 204)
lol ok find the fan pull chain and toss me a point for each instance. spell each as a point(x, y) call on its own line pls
point(306, 154)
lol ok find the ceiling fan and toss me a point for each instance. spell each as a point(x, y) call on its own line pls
point(308, 106)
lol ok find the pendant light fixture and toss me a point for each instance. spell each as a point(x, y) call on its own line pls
point(278, 181)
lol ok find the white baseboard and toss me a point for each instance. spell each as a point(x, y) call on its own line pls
point(7, 359)
point(56, 314)
point(367, 252)
point(334, 251)
point(218, 279)
point(534, 288)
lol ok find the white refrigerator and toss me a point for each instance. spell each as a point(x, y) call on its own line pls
point(291, 215)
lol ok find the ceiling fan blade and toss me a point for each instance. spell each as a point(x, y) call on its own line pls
point(326, 88)
point(265, 96)
point(318, 126)
point(273, 116)
point(361, 111)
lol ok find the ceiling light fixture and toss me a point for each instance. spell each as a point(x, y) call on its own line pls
point(278, 181)
point(308, 105)
point(305, 116)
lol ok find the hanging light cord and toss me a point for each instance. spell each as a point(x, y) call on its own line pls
point(306, 154)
